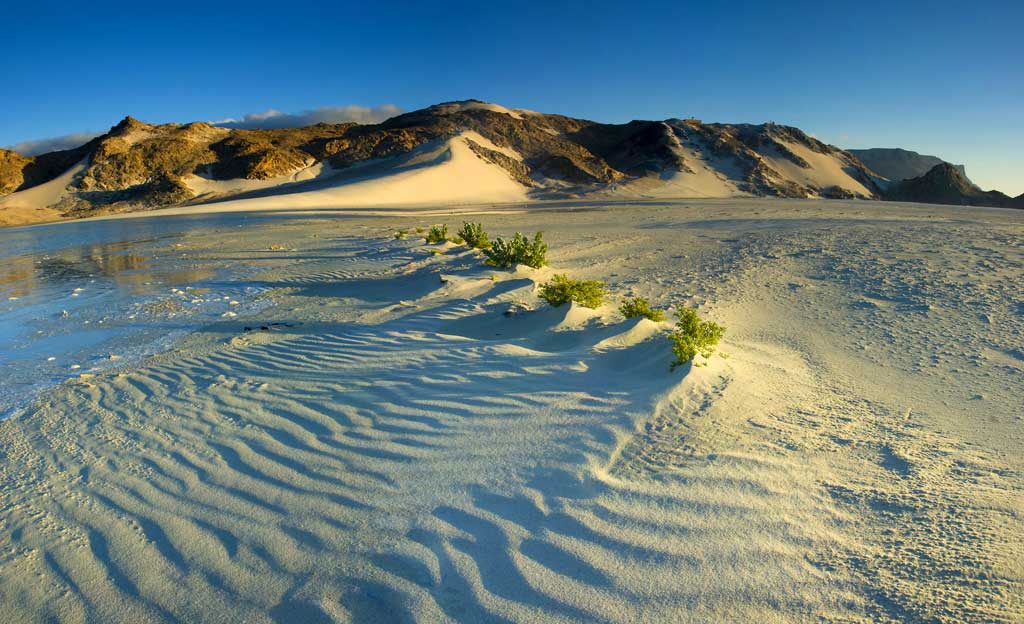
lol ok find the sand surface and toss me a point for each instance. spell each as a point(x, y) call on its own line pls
point(421, 439)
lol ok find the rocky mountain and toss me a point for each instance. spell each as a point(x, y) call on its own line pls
point(946, 184)
point(456, 152)
point(899, 164)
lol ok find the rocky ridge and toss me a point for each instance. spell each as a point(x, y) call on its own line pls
point(140, 166)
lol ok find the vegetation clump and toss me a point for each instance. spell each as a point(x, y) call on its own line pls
point(474, 235)
point(519, 250)
point(401, 234)
point(638, 306)
point(561, 290)
point(437, 234)
point(693, 336)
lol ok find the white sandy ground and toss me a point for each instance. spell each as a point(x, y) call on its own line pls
point(406, 451)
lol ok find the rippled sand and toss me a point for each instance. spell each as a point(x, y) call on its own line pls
point(418, 438)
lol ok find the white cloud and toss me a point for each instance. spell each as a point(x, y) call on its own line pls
point(325, 114)
point(42, 146)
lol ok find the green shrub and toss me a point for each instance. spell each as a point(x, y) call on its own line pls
point(437, 234)
point(638, 306)
point(401, 234)
point(519, 250)
point(693, 336)
point(474, 235)
point(561, 290)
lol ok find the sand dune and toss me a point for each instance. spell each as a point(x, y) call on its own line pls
point(825, 170)
point(446, 172)
point(35, 204)
point(426, 443)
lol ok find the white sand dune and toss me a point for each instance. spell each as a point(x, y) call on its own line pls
point(446, 172)
point(825, 170)
point(24, 206)
point(426, 441)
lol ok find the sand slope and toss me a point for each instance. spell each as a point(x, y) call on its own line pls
point(34, 204)
point(446, 172)
point(825, 170)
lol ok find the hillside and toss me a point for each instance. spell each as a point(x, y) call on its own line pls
point(455, 152)
point(899, 164)
point(946, 184)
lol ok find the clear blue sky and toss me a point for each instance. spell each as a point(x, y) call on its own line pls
point(938, 77)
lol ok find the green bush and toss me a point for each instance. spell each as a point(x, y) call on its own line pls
point(519, 250)
point(561, 290)
point(693, 336)
point(437, 234)
point(474, 235)
point(401, 234)
point(638, 306)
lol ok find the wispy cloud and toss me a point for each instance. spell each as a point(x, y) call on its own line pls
point(42, 146)
point(325, 114)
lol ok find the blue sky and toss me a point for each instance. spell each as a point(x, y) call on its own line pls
point(938, 77)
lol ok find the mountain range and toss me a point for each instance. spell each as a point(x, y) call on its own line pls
point(458, 152)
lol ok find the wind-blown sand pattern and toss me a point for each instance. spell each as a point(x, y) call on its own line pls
point(421, 442)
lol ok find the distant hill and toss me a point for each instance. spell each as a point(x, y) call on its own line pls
point(456, 152)
point(899, 164)
point(946, 184)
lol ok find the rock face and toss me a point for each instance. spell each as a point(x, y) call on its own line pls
point(946, 184)
point(899, 164)
point(140, 166)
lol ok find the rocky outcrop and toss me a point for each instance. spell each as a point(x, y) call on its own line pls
point(12, 171)
point(946, 184)
point(515, 168)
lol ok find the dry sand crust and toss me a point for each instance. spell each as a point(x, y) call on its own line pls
point(407, 451)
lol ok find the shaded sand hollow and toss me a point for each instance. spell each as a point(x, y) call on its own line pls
point(421, 439)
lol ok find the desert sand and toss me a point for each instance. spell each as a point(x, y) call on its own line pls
point(422, 439)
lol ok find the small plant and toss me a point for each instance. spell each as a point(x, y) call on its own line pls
point(401, 234)
point(638, 306)
point(561, 290)
point(437, 234)
point(474, 235)
point(693, 336)
point(519, 250)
